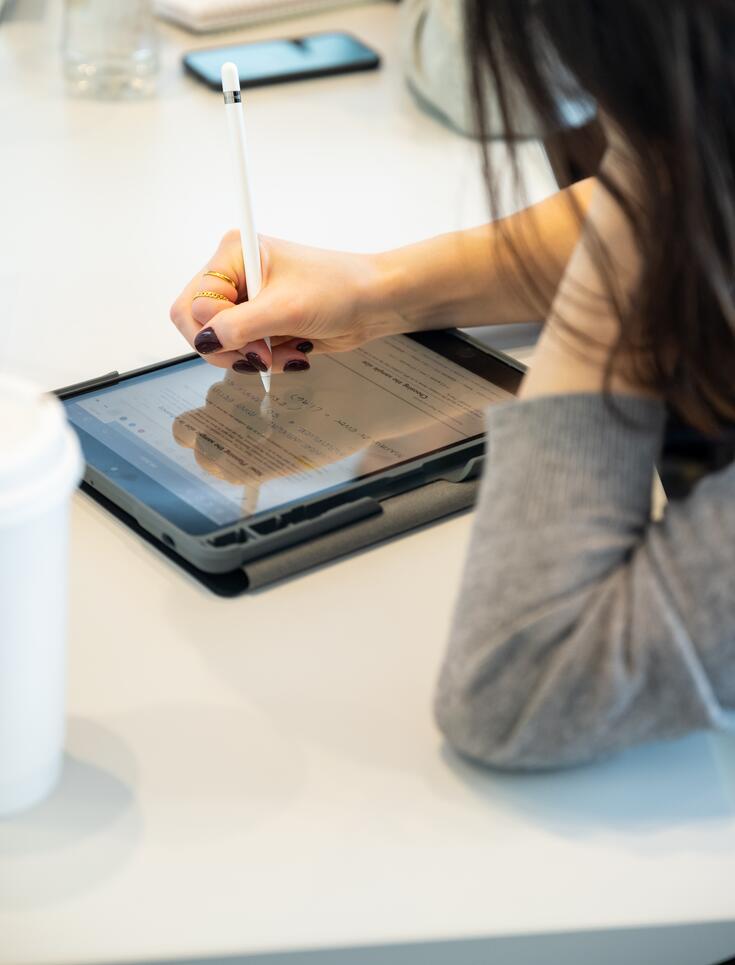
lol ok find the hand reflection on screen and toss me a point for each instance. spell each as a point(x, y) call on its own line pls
point(246, 439)
point(312, 420)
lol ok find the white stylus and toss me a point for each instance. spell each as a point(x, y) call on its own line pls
point(238, 144)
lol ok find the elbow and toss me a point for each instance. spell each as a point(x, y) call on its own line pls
point(526, 707)
point(551, 690)
point(512, 742)
point(471, 732)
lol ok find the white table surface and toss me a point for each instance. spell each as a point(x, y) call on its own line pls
point(263, 774)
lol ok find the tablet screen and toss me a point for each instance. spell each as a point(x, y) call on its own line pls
point(206, 447)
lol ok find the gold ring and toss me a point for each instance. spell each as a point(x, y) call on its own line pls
point(203, 294)
point(218, 274)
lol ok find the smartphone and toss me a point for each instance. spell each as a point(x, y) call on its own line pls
point(278, 61)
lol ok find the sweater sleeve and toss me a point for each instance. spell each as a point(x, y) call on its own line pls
point(583, 627)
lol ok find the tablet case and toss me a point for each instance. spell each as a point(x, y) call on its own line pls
point(399, 514)
point(386, 518)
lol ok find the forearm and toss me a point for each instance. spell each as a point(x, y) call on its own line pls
point(472, 277)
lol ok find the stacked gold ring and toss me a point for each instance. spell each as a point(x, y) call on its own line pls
point(208, 294)
point(223, 277)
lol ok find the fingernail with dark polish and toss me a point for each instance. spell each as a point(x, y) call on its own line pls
point(296, 365)
point(304, 347)
point(257, 361)
point(207, 341)
point(242, 365)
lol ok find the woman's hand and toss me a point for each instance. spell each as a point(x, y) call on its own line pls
point(333, 301)
point(310, 300)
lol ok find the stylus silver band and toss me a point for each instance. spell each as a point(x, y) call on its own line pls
point(232, 97)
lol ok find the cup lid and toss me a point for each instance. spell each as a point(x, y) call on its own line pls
point(40, 458)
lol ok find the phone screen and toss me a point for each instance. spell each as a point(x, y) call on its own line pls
point(200, 446)
point(271, 61)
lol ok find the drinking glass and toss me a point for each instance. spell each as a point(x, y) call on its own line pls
point(109, 47)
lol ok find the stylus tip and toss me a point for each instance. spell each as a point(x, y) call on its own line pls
point(266, 377)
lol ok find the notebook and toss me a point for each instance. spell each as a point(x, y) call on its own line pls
point(207, 15)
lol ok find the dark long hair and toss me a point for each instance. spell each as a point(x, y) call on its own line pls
point(663, 71)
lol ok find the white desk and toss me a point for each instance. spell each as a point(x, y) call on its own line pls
point(263, 775)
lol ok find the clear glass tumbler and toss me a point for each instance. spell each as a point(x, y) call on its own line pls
point(109, 47)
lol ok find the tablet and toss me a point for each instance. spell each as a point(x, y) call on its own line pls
point(221, 472)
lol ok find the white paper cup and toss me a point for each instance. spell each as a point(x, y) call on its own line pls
point(40, 466)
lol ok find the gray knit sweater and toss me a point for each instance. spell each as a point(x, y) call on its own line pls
point(582, 626)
